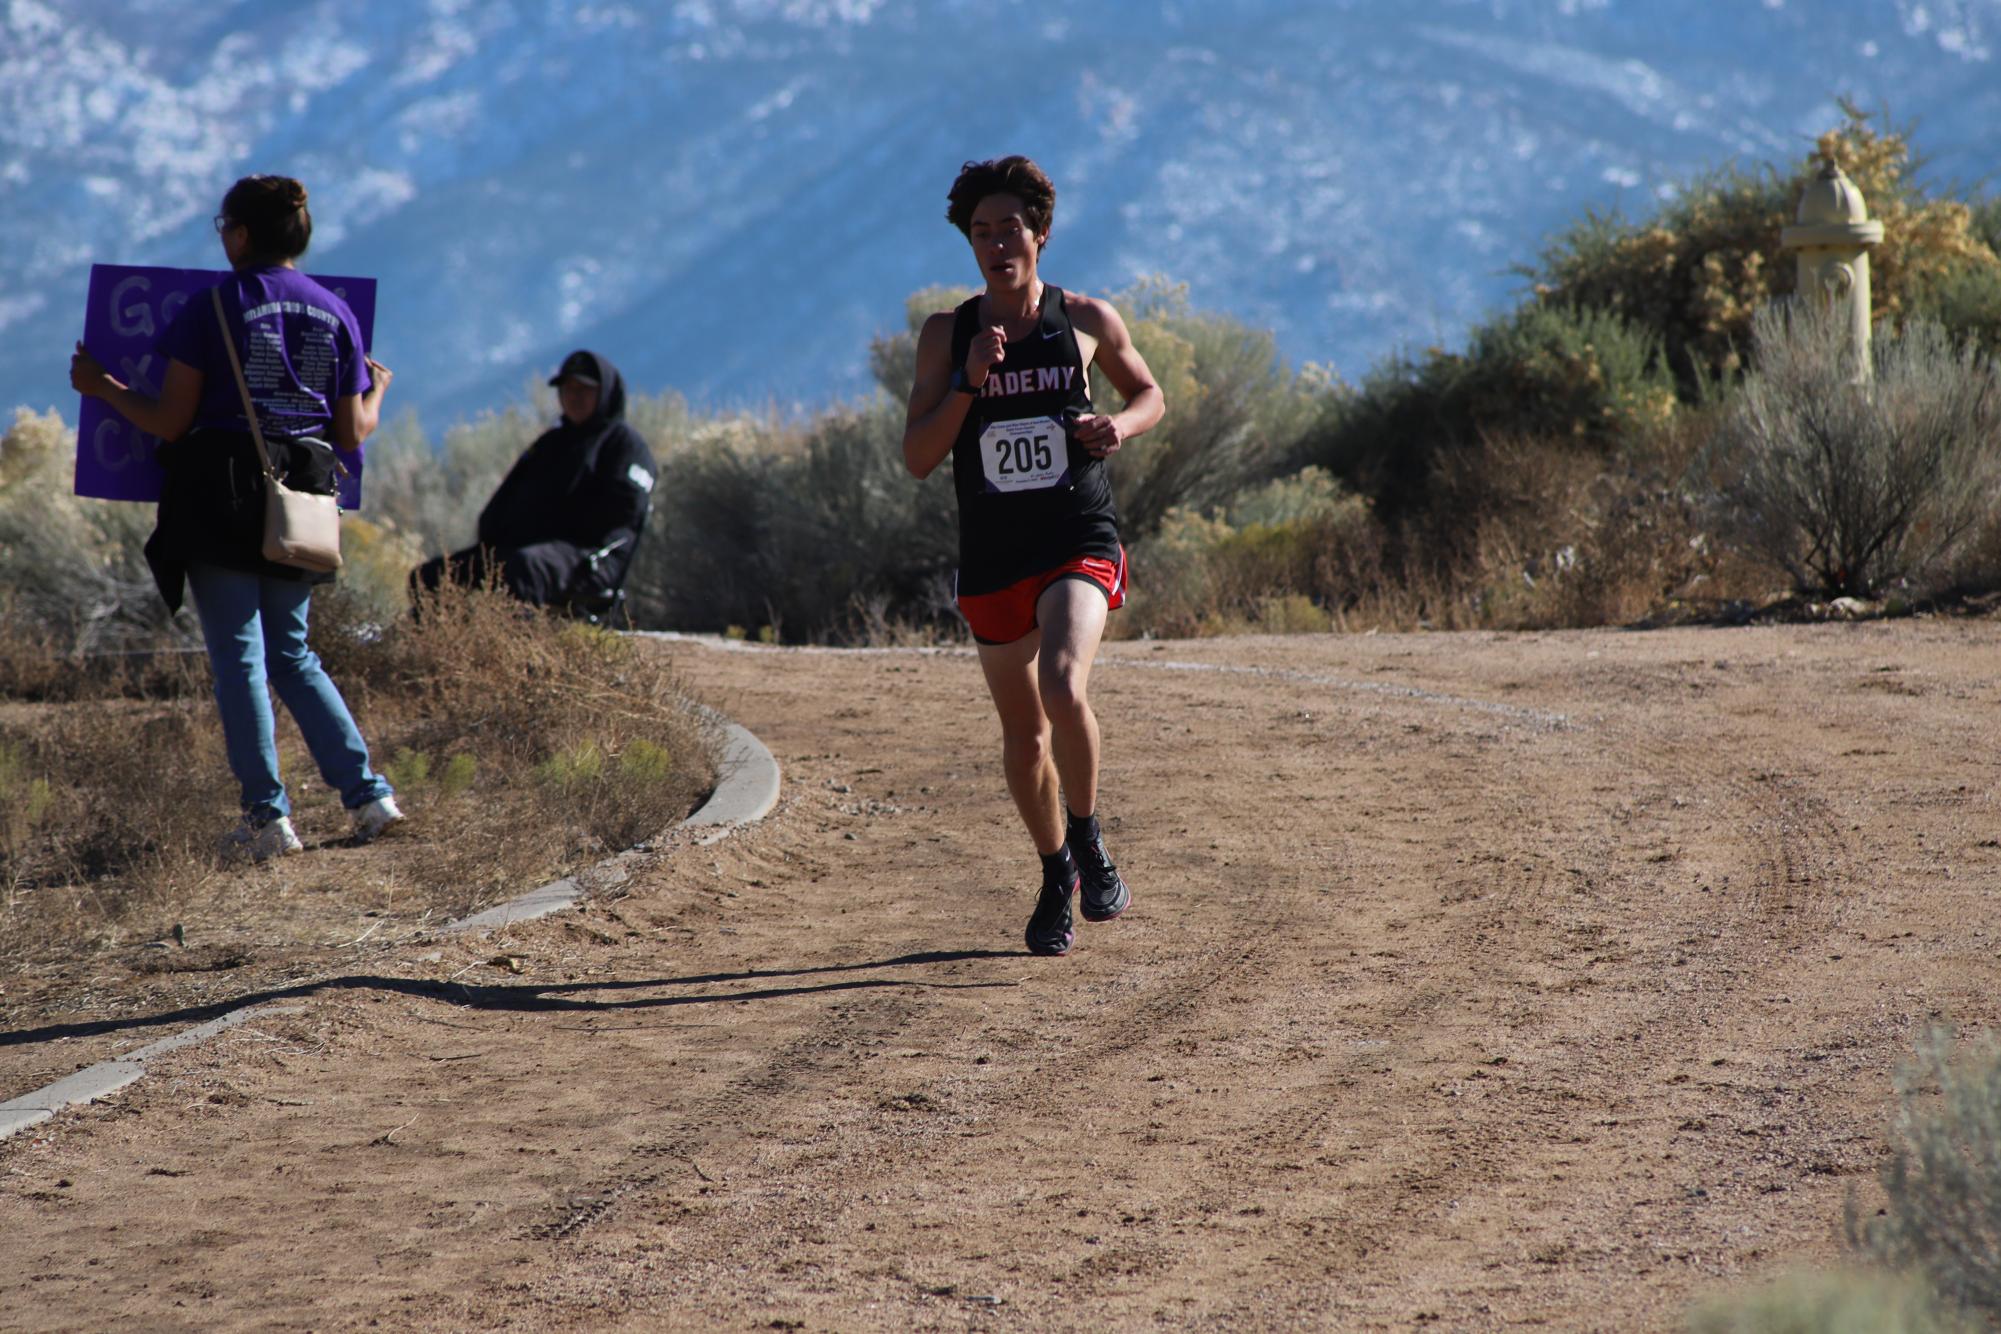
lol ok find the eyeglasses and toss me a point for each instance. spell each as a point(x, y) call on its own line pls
point(223, 222)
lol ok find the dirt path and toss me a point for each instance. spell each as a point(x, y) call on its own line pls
point(1472, 982)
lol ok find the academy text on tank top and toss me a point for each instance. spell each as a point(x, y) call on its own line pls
point(1030, 498)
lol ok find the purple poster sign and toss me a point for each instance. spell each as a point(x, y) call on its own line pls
point(129, 308)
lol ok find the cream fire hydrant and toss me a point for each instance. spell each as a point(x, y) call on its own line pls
point(1833, 237)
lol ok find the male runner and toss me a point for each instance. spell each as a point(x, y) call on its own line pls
point(1003, 386)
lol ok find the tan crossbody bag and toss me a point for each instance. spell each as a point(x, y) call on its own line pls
point(301, 529)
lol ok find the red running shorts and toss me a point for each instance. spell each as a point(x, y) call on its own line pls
point(1005, 615)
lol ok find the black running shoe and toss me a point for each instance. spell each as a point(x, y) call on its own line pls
point(1104, 895)
point(1049, 926)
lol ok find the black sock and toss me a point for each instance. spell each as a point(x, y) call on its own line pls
point(1083, 832)
point(1058, 867)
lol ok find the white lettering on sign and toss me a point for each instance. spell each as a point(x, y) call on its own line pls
point(138, 374)
point(136, 320)
point(1031, 454)
point(114, 451)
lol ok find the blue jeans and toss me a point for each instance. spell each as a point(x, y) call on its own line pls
point(255, 628)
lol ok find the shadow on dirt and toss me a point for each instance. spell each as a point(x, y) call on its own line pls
point(565, 997)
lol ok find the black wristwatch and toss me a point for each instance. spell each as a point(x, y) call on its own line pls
point(961, 385)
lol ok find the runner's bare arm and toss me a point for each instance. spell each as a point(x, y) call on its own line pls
point(1127, 370)
point(935, 413)
point(167, 416)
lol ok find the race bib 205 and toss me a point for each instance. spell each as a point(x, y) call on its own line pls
point(1031, 454)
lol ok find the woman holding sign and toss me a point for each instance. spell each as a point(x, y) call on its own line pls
point(304, 371)
point(1003, 388)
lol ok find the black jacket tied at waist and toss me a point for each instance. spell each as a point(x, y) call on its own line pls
point(212, 505)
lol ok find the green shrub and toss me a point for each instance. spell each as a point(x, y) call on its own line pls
point(1849, 484)
point(792, 528)
point(619, 798)
point(410, 771)
point(407, 770)
point(1868, 1303)
point(1942, 1182)
point(1256, 566)
point(573, 767)
point(1965, 299)
point(460, 771)
point(1235, 411)
point(1292, 614)
point(1583, 376)
point(893, 357)
point(644, 762)
point(434, 493)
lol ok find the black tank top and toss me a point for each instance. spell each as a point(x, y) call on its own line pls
point(1029, 498)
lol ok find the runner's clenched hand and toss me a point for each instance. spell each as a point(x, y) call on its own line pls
point(989, 350)
point(1099, 435)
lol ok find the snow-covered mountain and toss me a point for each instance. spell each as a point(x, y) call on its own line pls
point(729, 196)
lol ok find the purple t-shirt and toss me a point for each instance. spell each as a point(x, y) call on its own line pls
point(300, 345)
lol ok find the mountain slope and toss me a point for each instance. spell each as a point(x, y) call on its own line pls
point(729, 197)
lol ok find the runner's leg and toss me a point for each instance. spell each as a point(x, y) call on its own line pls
point(1072, 615)
point(1025, 750)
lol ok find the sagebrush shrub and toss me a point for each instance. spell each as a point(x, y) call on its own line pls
point(1235, 411)
point(1257, 565)
point(71, 569)
point(1579, 375)
point(794, 528)
point(1840, 1303)
point(1942, 1181)
point(1849, 481)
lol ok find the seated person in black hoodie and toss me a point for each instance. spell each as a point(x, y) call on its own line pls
point(562, 528)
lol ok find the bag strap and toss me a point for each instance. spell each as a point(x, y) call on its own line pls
point(242, 385)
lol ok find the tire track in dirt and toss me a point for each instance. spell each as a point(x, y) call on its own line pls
point(1388, 1169)
point(791, 1071)
point(1801, 848)
point(875, 1153)
point(825, 1053)
point(1156, 1019)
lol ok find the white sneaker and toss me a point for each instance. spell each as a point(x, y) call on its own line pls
point(260, 843)
point(375, 817)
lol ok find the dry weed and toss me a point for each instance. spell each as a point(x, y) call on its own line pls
point(111, 809)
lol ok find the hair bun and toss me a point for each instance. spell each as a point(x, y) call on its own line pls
point(295, 193)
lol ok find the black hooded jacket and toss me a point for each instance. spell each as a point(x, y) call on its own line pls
point(589, 484)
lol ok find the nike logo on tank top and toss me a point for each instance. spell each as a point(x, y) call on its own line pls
point(1029, 497)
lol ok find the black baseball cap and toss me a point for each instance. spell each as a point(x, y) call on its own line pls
point(581, 366)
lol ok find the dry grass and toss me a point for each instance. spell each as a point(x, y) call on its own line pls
point(1516, 532)
point(521, 746)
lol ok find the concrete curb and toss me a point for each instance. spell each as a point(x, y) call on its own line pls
point(746, 790)
point(95, 1081)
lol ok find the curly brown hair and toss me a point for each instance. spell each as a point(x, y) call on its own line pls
point(273, 208)
point(1017, 176)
